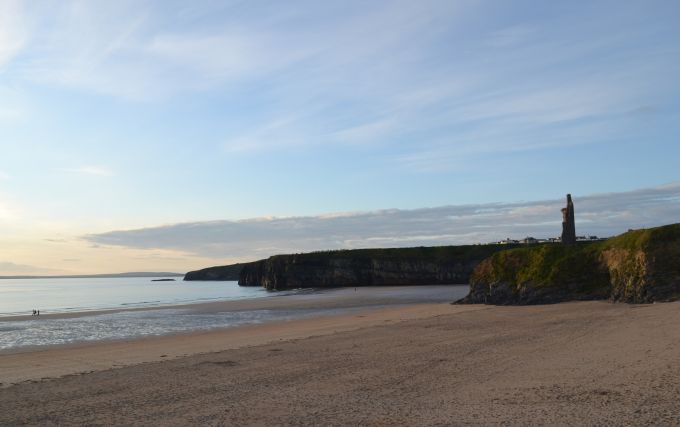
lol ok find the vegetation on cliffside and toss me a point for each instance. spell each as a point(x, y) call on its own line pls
point(430, 253)
point(644, 265)
point(355, 267)
point(638, 266)
point(368, 267)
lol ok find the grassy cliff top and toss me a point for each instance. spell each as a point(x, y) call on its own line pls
point(544, 265)
point(640, 265)
point(435, 253)
point(646, 238)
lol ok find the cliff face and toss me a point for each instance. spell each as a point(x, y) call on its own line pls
point(225, 272)
point(644, 265)
point(637, 267)
point(368, 267)
point(541, 274)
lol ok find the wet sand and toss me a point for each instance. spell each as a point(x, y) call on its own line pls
point(587, 363)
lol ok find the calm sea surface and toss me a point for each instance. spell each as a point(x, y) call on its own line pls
point(20, 297)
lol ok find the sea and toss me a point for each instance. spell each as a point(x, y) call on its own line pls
point(124, 308)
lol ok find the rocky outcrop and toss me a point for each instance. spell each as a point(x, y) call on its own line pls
point(644, 265)
point(225, 272)
point(640, 266)
point(538, 275)
point(367, 267)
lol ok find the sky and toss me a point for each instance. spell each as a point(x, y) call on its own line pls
point(173, 135)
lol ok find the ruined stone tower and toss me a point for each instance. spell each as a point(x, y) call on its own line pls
point(568, 226)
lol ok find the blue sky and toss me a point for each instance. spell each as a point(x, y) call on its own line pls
point(127, 115)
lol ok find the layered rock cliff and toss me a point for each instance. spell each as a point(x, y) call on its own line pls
point(367, 267)
point(224, 272)
point(638, 267)
point(644, 265)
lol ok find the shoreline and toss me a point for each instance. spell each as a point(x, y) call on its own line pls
point(55, 361)
point(575, 363)
point(323, 297)
point(62, 330)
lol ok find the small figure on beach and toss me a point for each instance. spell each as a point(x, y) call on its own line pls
point(38, 312)
point(34, 312)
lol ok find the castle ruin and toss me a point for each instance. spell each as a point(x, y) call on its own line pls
point(568, 226)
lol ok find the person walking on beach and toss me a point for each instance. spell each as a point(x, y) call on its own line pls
point(33, 312)
point(38, 312)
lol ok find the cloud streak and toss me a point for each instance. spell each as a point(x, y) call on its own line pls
point(89, 170)
point(13, 34)
point(8, 268)
point(601, 214)
point(392, 73)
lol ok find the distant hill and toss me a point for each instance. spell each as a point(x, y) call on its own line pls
point(100, 276)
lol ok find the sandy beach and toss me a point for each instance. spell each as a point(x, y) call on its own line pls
point(587, 363)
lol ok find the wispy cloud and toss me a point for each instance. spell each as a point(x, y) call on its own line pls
point(510, 36)
point(89, 170)
point(281, 129)
point(388, 72)
point(525, 89)
point(601, 214)
point(128, 50)
point(13, 34)
point(8, 268)
point(56, 240)
point(367, 132)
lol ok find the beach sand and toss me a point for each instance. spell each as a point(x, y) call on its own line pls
point(586, 363)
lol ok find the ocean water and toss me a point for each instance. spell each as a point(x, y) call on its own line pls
point(134, 324)
point(156, 311)
point(21, 296)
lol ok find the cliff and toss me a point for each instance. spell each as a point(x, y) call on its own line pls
point(640, 266)
point(367, 267)
point(644, 265)
point(224, 272)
